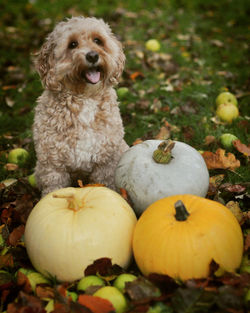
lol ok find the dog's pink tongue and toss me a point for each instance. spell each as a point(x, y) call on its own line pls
point(93, 76)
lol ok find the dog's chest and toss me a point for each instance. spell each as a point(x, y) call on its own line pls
point(98, 133)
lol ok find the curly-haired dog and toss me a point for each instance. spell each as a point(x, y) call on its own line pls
point(77, 126)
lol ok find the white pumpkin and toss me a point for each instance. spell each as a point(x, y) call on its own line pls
point(147, 181)
point(70, 228)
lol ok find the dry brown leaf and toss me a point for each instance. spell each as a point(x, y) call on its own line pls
point(235, 209)
point(209, 139)
point(219, 160)
point(16, 235)
point(163, 134)
point(241, 147)
point(137, 141)
point(216, 180)
point(11, 167)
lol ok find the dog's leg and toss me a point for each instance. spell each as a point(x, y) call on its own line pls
point(49, 179)
point(105, 173)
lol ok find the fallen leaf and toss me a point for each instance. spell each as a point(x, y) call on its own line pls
point(188, 132)
point(141, 289)
point(241, 147)
point(11, 167)
point(23, 281)
point(209, 139)
point(6, 260)
point(137, 141)
point(234, 207)
point(44, 292)
point(136, 75)
point(16, 235)
point(104, 268)
point(163, 134)
point(219, 160)
point(96, 304)
point(26, 303)
point(164, 282)
point(247, 243)
point(216, 180)
point(236, 189)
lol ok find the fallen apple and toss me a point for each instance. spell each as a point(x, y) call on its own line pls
point(114, 296)
point(18, 156)
point(227, 112)
point(32, 180)
point(88, 281)
point(227, 140)
point(36, 279)
point(73, 295)
point(153, 45)
point(226, 98)
point(121, 280)
point(50, 306)
point(122, 91)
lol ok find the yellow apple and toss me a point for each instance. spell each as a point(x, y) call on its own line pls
point(113, 295)
point(226, 98)
point(227, 112)
point(153, 45)
point(88, 281)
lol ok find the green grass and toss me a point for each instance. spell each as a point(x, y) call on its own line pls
point(208, 48)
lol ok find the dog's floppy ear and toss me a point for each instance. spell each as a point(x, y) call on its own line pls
point(120, 63)
point(44, 64)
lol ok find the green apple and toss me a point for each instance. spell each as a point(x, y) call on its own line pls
point(227, 140)
point(88, 281)
point(50, 306)
point(122, 279)
point(36, 279)
point(32, 180)
point(152, 45)
point(113, 295)
point(18, 156)
point(226, 98)
point(122, 91)
point(227, 112)
point(73, 295)
point(25, 271)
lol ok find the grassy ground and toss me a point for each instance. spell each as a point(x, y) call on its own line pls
point(204, 50)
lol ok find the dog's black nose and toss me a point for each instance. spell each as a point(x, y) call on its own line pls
point(92, 56)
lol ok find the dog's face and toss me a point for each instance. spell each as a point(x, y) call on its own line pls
point(80, 53)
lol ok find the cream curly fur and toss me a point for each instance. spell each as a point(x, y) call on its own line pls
point(77, 130)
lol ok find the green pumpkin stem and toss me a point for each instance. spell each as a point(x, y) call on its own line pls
point(181, 211)
point(163, 154)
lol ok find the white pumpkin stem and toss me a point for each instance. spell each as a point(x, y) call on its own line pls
point(181, 211)
point(163, 153)
point(73, 203)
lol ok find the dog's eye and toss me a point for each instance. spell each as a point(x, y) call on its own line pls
point(98, 41)
point(73, 45)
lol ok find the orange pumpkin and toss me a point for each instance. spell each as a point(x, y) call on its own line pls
point(180, 235)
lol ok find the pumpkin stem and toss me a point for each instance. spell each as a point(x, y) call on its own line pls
point(163, 154)
point(73, 203)
point(181, 211)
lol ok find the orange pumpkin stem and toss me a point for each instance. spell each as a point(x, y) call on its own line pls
point(181, 211)
point(163, 154)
